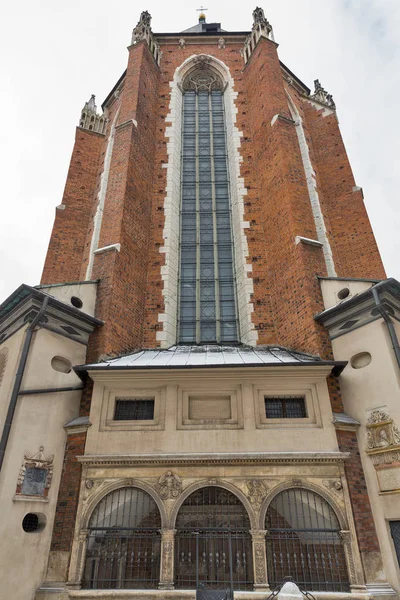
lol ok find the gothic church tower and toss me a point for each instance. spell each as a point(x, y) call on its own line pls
point(189, 397)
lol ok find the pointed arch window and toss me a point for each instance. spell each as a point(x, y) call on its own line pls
point(207, 311)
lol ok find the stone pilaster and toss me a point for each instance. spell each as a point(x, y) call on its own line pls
point(78, 561)
point(167, 559)
point(259, 560)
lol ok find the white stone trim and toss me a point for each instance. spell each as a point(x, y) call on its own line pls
point(312, 189)
point(299, 239)
point(98, 217)
point(116, 247)
point(169, 272)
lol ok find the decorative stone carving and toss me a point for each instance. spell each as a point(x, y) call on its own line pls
point(167, 560)
point(202, 78)
point(383, 446)
point(346, 539)
point(169, 485)
point(334, 485)
point(381, 431)
point(256, 492)
point(259, 560)
point(182, 43)
point(322, 96)
point(35, 475)
point(89, 483)
point(221, 43)
point(90, 120)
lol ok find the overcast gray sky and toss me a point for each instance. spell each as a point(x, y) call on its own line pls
point(54, 55)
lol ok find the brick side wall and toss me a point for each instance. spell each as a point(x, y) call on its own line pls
point(127, 217)
point(350, 227)
point(68, 493)
point(285, 212)
point(65, 252)
point(64, 521)
point(365, 527)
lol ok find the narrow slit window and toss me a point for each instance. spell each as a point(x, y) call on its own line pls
point(207, 310)
point(287, 407)
point(134, 409)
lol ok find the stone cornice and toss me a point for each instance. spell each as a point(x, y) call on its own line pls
point(21, 307)
point(122, 460)
point(219, 372)
point(361, 309)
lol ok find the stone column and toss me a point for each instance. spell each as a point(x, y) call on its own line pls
point(356, 578)
point(259, 560)
point(167, 559)
point(78, 561)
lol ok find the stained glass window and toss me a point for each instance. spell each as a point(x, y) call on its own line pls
point(207, 306)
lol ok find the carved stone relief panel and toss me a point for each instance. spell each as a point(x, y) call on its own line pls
point(35, 475)
point(383, 446)
point(169, 485)
point(256, 491)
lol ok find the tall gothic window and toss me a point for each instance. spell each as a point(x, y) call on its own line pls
point(303, 541)
point(207, 306)
point(213, 542)
point(124, 542)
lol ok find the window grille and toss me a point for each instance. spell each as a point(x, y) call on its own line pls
point(213, 531)
point(395, 531)
point(124, 542)
point(134, 410)
point(285, 407)
point(207, 304)
point(303, 542)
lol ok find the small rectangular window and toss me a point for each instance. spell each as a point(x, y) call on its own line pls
point(134, 409)
point(395, 531)
point(285, 407)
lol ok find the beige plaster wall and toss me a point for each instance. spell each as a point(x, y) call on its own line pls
point(314, 434)
point(12, 349)
point(376, 385)
point(330, 289)
point(38, 421)
point(84, 291)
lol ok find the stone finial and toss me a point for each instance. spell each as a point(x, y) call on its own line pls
point(91, 105)
point(90, 119)
point(322, 96)
point(261, 28)
point(143, 27)
point(142, 31)
point(261, 22)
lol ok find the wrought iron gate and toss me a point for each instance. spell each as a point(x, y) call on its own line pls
point(202, 593)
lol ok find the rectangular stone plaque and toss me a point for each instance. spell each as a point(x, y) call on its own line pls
point(34, 482)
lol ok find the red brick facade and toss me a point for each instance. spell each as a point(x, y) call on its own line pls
point(287, 293)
